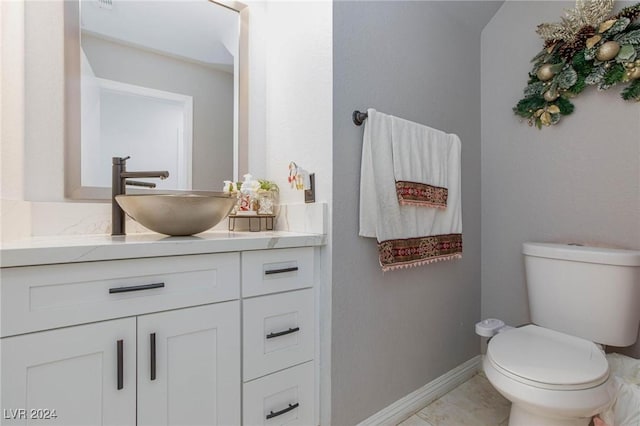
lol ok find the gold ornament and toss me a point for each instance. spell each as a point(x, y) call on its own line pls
point(544, 114)
point(634, 74)
point(545, 72)
point(551, 95)
point(606, 25)
point(608, 51)
point(592, 41)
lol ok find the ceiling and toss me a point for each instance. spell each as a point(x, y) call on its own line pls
point(473, 15)
point(198, 30)
point(206, 32)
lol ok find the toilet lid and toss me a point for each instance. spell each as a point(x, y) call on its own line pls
point(548, 357)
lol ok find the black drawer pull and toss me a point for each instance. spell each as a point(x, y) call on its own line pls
point(120, 366)
point(152, 341)
point(135, 288)
point(282, 333)
point(284, 410)
point(280, 271)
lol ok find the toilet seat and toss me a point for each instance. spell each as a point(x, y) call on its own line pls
point(548, 359)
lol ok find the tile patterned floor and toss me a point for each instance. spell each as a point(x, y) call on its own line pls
point(473, 403)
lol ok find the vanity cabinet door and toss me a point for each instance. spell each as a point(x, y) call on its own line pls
point(71, 376)
point(189, 366)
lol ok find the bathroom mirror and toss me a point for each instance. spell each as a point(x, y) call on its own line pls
point(160, 81)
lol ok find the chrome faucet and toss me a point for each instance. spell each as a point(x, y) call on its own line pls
point(119, 182)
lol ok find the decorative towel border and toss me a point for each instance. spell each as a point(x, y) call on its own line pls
point(405, 253)
point(421, 194)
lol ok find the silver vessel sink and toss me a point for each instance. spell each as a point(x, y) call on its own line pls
point(177, 214)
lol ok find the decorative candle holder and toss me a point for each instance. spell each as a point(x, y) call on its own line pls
point(266, 202)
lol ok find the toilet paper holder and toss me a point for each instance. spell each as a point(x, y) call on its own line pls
point(490, 327)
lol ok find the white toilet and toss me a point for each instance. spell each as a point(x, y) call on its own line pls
point(554, 371)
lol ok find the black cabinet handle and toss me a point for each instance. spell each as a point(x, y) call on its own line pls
point(280, 271)
point(152, 341)
point(120, 366)
point(135, 288)
point(282, 333)
point(284, 410)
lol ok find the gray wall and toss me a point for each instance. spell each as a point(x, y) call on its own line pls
point(211, 89)
point(578, 181)
point(393, 333)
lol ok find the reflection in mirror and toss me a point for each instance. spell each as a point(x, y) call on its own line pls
point(159, 82)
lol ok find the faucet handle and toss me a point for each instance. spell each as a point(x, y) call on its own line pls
point(120, 160)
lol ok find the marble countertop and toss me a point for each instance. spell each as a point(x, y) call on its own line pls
point(89, 248)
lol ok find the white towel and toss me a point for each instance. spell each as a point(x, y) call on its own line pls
point(420, 163)
point(407, 235)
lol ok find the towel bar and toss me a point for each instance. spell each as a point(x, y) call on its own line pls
point(359, 117)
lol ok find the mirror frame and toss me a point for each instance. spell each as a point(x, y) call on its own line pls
point(73, 188)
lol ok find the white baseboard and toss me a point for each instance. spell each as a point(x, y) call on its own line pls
point(405, 407)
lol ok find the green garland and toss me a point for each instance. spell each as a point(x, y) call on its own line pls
point(577, 54)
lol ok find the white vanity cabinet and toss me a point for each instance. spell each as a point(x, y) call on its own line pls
point(208, 338)
point(186, 374)
point(278, 337)
point(179, 364)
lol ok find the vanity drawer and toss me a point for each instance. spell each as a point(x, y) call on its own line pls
point(49, 296)
point(283, 398)
point(272, 271)
point(278, 332)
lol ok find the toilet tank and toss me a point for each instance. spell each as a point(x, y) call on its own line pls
point(588, 292)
